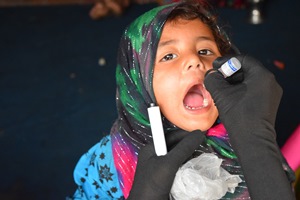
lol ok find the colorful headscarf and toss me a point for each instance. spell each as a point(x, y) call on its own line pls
point(134, 94)
point(134, 91)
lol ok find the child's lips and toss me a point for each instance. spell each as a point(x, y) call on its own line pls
point(196, 98)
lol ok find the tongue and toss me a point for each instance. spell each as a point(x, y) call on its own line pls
point(193, 99)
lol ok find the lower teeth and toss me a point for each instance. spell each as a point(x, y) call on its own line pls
point(205, 104)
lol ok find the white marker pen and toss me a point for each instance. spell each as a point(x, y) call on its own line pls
point(230, 67)
point(157, 130)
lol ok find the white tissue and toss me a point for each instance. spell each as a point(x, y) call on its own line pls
point(203, 178)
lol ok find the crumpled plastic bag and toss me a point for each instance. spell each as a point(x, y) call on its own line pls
point(203, 178)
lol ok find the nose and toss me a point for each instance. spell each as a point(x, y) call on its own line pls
point(194, 62)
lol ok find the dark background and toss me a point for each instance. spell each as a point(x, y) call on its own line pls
point(56, 101)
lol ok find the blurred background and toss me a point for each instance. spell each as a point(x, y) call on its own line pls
point(57, 81)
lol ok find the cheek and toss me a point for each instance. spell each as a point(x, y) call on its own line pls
point(156, 88)
point(160, 87)
point(166, 87)
point(209, 62)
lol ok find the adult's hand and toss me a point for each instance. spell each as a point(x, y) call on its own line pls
point(154, 174)
point(248, 110)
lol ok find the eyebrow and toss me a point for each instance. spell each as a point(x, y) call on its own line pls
point(200, 38)
point(165, 43)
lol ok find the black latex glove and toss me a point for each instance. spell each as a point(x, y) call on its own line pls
point(248, 110)
point(154, 175)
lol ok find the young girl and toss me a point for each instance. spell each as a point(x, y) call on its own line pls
point(163, 58)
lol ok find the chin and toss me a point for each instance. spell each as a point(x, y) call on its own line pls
point(200, 121)
point(197, 126)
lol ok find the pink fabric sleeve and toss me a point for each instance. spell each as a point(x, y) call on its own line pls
point(291, 149)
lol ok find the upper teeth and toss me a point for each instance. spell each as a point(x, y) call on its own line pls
point(205, 102)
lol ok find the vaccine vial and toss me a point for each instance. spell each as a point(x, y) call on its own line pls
point(230, 67)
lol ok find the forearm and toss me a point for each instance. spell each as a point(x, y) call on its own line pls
point(261, 162)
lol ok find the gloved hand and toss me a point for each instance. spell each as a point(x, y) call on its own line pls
point(154, 174)
point(248, 111)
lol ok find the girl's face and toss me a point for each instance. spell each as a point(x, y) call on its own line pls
point(185, 52)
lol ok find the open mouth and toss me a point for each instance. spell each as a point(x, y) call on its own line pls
point(196, 98)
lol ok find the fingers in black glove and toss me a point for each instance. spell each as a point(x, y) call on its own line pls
point(259, 93)
point(186, 146)
point(155, 174)
point(237, 77)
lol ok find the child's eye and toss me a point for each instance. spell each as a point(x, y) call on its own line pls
point(205, 52)
point(169, 57)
